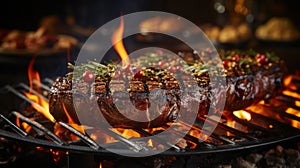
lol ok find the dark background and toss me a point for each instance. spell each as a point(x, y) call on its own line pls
point(26, 14)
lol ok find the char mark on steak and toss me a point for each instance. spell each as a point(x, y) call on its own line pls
point(248, 80)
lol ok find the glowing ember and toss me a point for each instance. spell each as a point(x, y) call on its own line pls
point(56, 154)
point(230, 123)
point(292, 94)
point(93, 137)
point(297, 103)
point(195, 133)
point(119, 46)
point(292, 111)
point(127, 133)
point(241, 114)
point(18, 122)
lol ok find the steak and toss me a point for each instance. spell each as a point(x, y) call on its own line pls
point(156, 96)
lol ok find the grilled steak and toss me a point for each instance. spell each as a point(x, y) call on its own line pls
point(249, 79)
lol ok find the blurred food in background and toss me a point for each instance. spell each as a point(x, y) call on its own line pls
point(230, 33)
point(161, 24)
point(278, 29)
point(51, 34)
point(39, 39)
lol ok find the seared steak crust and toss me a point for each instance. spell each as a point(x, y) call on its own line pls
point(241, 90)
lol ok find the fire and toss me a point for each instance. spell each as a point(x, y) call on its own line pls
point(40, 105)
point(230, 123)
point(291, 93)
point(150, 143)
point(297, 103)
point(241, 114)
point(287, 80)
point(118, 44)
point(127, 133)
point(72, 122)
point(292, 111)
point(26, 127)
point(194, 133)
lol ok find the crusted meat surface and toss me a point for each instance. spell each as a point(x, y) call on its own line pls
point(241, 90)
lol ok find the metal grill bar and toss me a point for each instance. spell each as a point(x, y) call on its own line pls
point(33, 91)
point(50, 81)
point(135, 146)
point(83, 137)
point(132, 145)
point(293, 117)
point(289, 102)
point(213, 135)
point(13, 126)
point(11, 89)
point(227, 128)
point(145, 133)
point(40, 127)
point(42, 85)
point(273, 121)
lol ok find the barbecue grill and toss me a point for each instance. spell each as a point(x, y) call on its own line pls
point(268, 125)
point(30, 137)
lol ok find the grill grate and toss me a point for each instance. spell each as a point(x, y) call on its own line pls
point(261, 130)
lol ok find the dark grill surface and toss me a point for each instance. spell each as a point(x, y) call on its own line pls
point(263, 129)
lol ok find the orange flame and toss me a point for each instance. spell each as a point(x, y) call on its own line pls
point(41, 105)
point(25, 126)
point(18, 122)
point(150, 143)
point(127, 133)
point(287, 80)
point(242, 115)
point(118, 44)
point(33, 75)
point(291, 93)
point(231, 123)
point(292, 111)
point(297, 103)
point(72, 122)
